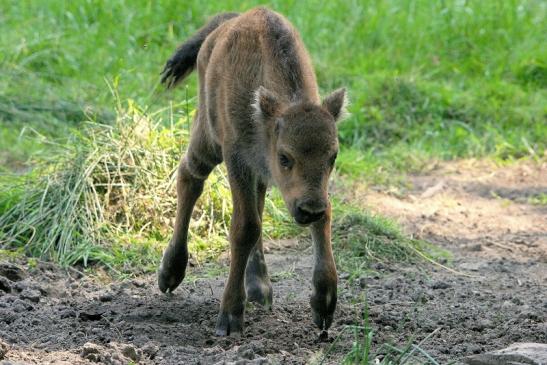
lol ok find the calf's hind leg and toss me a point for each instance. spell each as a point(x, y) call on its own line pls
point(257, 283)
point(193, 170)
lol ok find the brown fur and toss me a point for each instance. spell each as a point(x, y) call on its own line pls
point(260, 112)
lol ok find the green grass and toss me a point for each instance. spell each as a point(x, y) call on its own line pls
point(427, 79)
point(538, 199)
point(363, 351)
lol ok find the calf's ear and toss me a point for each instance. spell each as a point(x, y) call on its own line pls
point(336, 104)
point(265, 105)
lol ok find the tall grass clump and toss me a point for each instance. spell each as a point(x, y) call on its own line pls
point(109, 196)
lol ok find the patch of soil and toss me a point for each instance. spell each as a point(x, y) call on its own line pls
point(51, 316)
point(480, 213)
point(484, 216)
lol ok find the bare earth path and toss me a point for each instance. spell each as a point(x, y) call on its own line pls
point(481, 213)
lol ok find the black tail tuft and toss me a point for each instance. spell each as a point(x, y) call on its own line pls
point(183, 62)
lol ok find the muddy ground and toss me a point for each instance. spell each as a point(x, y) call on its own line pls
point(486, 216)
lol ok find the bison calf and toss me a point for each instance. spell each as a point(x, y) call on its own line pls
point(260, 112)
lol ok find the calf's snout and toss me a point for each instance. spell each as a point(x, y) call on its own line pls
point(309, 211)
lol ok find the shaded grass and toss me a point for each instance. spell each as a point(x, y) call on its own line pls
point(443, 121)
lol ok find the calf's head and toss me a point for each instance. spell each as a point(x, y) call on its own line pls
point(302, 144)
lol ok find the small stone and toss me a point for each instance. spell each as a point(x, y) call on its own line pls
point(91, 351)
point(475, 248)
point(31, 294)
point(531, 315)
point(481, 325)
point(391, 283)
point(474, 349)
point(5, 284)
point(131, 352)
point(520, 353)
point(344, 276)
point(106, 297)
point(68, 313)
point(91, 315)
point(4, 348)
point(139, 283)
point(150, 349)
point(440, 285)
point(246, 352)
point(378, 266)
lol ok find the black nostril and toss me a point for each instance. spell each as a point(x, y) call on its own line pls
point(318, 215)
point(310, 215)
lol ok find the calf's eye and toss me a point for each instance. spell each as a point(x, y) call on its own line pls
point(285, 161)
point(333, 160)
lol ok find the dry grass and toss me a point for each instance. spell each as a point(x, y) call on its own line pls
point(109, 195)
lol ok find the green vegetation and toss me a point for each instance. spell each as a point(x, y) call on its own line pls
point(428, 80)
point(362, 351)
point(434, 79)
point(108, 196)
point(538, 199)
point(361, 238)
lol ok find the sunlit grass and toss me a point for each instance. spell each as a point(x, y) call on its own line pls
point(109, 197)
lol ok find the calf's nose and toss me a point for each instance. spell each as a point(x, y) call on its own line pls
point(311, 211)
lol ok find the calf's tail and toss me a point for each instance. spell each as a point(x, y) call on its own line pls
point(183, 61)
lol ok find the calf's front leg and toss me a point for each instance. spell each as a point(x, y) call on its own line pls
point(244, 234)
point(324, 279)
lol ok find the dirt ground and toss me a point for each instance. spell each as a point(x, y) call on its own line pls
point(496, 295)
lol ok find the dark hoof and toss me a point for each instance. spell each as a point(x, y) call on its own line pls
point(229, 325)
point(172, 270)
point(169, 280)
point(261, 293)
point(322, 320)
point(323, 310)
